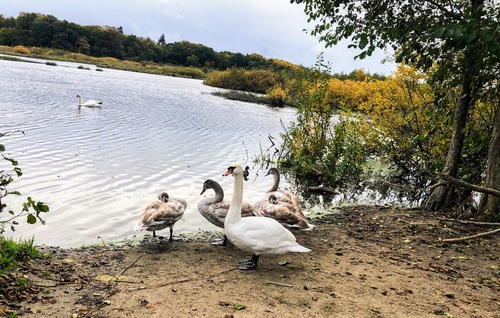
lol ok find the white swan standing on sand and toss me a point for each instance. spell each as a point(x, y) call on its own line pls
point(215, 208)
point(258, 235)
point(89, 103)
point(162, 213)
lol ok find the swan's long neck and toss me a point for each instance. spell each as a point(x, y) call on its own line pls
point(219, 192)
point(276, 182)
point(234, 213)
point(79, 100)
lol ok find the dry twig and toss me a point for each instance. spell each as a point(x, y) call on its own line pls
point(279, 284)
point(126, 268)
point(448, 240)
point(187, 279)
point(469, 222)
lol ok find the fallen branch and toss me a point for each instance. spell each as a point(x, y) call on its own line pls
point(448, 240)
point(126, 268)
point(57, 283)
point(468, 185)
point(186, 280)
point(279, 284)
point(469, 222)
point(127, 281)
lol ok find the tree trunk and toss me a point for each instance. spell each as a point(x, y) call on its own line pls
point(490, 203)
point(441, 196)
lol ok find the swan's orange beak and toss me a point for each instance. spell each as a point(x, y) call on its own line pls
point(228, 172)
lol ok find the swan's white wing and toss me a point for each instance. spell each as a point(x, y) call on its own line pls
point(262, 235)
point(92, 102)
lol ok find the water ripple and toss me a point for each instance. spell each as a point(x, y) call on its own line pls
point(98, 168)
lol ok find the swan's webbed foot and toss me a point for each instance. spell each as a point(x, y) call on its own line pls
point(220, 242)
point(248, 264)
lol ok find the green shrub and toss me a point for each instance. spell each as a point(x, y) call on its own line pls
point(255, 81)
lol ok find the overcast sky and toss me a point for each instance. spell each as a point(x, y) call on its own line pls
point(272, 28)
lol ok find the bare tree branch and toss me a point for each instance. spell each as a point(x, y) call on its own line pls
point(448, 240)
point(470, 222)
point(467, 185)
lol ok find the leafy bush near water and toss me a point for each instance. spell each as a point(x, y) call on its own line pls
point(256, 81)
point(313, 147)
point(31, 209)
point(395, 121)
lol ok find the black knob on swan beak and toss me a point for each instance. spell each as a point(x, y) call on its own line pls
point(246, 173)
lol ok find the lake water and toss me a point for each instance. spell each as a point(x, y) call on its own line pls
point(97, 169)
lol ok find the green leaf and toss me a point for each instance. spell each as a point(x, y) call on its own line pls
point(488, 37)
point(18, 171)
point(470, 37)
point(457, 33)
point(239, 306)
point(439, 32)
point(361, 56)
point(31, 219)
point(2, 148)
point(41, 207)
point(363, 41)
point(13, 161)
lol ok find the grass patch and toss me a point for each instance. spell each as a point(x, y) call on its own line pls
point(244, 97)
point(105, 62)
point(13, 254)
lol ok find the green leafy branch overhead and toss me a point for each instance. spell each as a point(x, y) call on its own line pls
point(31, 209)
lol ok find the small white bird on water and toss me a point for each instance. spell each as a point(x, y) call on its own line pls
point(89, 103)
point(257, 235)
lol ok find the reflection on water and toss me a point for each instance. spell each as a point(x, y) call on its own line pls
point(97, 169)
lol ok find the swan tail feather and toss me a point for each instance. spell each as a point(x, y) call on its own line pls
point(310, 227)
point(299, 249)
point(138, 227)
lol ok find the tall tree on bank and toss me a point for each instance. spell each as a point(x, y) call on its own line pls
point(459, 36)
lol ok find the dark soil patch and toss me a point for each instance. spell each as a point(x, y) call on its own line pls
point(366, 261)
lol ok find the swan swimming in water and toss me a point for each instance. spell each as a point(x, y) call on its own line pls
point(162, 213)
point(258, 235)
point(89, 103)
point(214, 209)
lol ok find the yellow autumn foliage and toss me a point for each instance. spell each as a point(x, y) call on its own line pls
point(277, 95)
point(21, 49)
point(347, 94)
